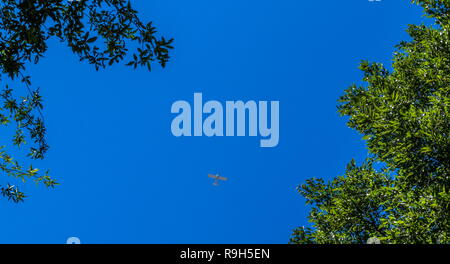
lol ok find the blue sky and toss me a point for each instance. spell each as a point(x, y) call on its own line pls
point(126, 179)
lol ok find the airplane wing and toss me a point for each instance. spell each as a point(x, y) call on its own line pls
point(212, 176)
point(222, 178)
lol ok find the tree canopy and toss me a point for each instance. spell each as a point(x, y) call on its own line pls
point(401, 193)
point(101, 32)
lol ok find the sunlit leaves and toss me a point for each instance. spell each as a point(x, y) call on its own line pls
point(101, 32)
point(404, 116)
point(12, 193)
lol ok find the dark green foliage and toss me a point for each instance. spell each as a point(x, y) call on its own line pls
point(405, 117)
point(98, 31)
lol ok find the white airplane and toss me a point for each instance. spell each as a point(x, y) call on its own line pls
point(217, 178)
